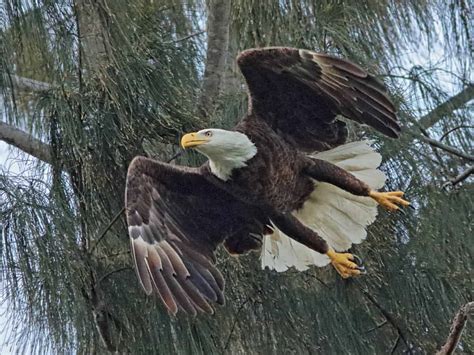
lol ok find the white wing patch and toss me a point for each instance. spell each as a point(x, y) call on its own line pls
point(336, 215)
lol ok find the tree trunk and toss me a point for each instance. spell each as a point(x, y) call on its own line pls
point(92, 36)
point(217, 47)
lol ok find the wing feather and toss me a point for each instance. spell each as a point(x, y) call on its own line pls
point(140, 253)
point(175, 260)
point(202, 284)
point(172, 250)
point(155, 268)
point(293, 88)
point(171, 278)
point(176, 219)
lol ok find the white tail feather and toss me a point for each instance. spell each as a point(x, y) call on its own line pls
point(336, 215)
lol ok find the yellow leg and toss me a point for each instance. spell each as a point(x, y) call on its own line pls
point(389, 200)
point(344, 264)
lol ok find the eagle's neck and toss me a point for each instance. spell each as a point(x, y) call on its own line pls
point(222, 165)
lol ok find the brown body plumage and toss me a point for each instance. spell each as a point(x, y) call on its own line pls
point(274, 176)
point(177, 216)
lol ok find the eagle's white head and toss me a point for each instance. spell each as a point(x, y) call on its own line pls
point(226, 150)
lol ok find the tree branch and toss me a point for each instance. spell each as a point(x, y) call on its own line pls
point(453, 103)
point(28, 84)
point(447, 148)
point(437, 114)
point(457, 327)
point(25, 142)
point(217, 46)
point(460, 178)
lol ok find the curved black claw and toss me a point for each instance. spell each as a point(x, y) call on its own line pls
point(360, 264)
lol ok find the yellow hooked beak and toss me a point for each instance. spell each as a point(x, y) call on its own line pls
point(192, 140)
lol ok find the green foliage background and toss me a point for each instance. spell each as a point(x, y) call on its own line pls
point(136, 92)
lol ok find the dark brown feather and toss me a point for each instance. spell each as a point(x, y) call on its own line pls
point(201, 284)
point(176, 219)
point(299, 93)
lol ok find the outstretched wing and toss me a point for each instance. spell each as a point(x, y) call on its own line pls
point(299, 93)
point(176, 219)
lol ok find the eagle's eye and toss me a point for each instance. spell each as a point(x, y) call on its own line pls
point(208, 134)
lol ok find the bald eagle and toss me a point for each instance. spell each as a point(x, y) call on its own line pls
point(282, 181)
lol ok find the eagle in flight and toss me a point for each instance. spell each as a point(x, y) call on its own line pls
point(283, 181)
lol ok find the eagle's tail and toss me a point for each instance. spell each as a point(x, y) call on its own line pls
point(336, 215)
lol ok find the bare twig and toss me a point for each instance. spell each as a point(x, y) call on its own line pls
point(454, 129)
point(185, 37)
point(447, 148)
point(457, 327)
point(26, 142)
point(389, 318)
point(110, 273)
point(227, 343)
point(460, 178)
point(377, 326)
point(394, 347)
point(111, 223)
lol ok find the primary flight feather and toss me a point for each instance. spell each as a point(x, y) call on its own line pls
point(282, 181)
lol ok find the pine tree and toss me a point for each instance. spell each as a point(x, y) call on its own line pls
point(87, 85)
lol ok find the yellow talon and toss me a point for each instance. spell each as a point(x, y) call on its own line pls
point(344, 264)
point(389, 200)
